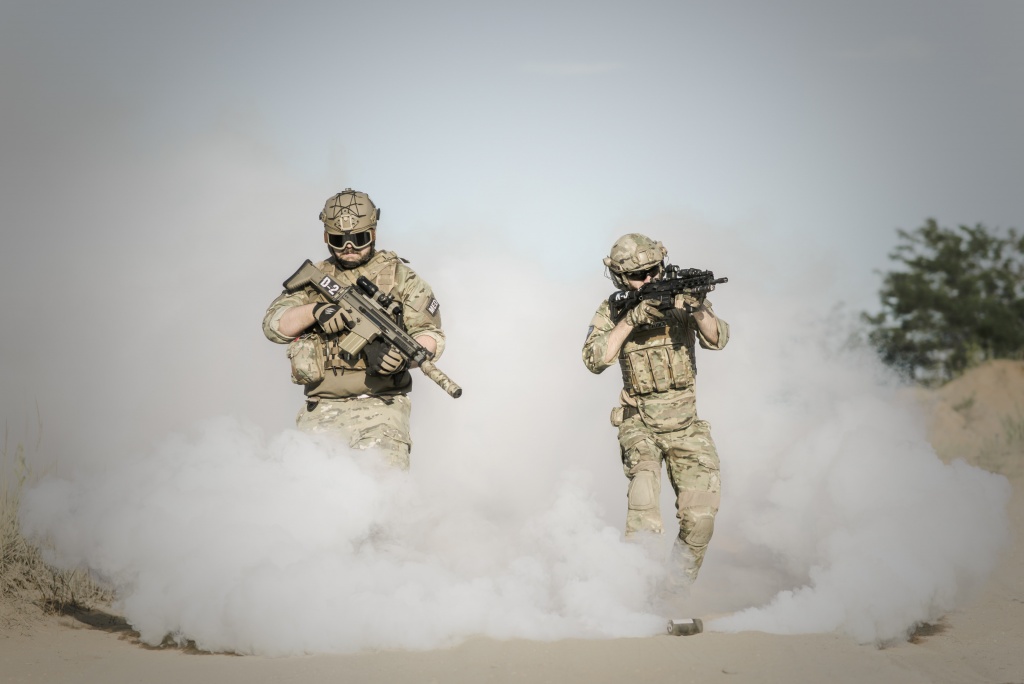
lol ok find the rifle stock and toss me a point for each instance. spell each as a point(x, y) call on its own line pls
point(306, 273)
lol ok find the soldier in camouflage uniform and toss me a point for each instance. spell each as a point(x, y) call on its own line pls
point(657, 413)
point(364, 399)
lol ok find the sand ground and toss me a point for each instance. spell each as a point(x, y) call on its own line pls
point(981, 642)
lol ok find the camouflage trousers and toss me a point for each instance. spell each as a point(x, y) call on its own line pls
point(692, 463)
point(364, 423)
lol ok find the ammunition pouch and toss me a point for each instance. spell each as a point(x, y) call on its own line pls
point(620, 414)
point(307, 358)
point(658, 359)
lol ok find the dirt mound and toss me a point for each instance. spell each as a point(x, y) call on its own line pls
point(980, 417)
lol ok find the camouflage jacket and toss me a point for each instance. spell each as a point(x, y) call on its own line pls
point(344, 379)
point(658, 364)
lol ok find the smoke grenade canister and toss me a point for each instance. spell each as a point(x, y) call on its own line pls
point(685, 626)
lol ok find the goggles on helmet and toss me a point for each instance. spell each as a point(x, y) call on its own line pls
point(357, 240)
point(642, 275)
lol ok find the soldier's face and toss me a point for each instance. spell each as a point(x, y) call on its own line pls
point(637, 279)
point(350, 257)
point(346, 251)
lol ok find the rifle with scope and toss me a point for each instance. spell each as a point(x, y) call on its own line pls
point(369, 315)
point(674, 281)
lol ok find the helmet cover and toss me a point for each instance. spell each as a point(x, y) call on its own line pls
point(349, 211)
point(634, 252)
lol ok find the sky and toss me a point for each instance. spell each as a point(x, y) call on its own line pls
point(162, 168)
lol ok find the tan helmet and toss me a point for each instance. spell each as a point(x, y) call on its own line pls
point(633, 252)
point(349, 211)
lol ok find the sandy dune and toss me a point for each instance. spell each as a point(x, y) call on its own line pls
point(975, 418)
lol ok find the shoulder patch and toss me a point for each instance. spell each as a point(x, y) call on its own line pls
point(433, 306)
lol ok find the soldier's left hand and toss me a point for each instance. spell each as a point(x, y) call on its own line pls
point(688, 302)
point(383, 358)
point(392, 362)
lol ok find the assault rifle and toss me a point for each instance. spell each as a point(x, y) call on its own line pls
point(370, 314)
point(663, 291)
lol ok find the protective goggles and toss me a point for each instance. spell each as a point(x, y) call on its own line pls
point(651, 271)
point(357, 240)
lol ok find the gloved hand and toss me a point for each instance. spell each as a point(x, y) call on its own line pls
point(644, 313)
point(688, 302)
point(384, 359)
point(330, 317)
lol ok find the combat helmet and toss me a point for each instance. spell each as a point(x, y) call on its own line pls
point(633, 252)
point(350, 217)
point(349, 211)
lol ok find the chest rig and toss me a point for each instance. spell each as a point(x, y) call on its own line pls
point(659, 358)
point(382, 271)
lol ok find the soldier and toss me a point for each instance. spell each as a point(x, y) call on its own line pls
point(657, 416)
point(363, 399)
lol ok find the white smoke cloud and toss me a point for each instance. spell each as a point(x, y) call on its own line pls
point(837, 515)
point(246, 536)
point(832, 490)
point(297, 545)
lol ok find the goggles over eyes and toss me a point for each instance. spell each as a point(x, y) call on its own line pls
point(357, 240)
point(642, 275)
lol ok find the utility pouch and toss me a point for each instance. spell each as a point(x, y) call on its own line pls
point(306, 354)
point(618, 415)
point(665, 415)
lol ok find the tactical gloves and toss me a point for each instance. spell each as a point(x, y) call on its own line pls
point(644, 313)
point(384, 359)
point(688, 302)
point(330, 317)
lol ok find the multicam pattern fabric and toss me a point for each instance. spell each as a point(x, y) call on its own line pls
point(364, 423)
point(659, 400)
point(633, 252)
point(691, 460)
point(342, 378)
point(368, 411)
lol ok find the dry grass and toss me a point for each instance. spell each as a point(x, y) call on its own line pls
point(27, 582)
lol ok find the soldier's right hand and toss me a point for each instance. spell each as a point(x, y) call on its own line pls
point(330, 317)
point(644, 313)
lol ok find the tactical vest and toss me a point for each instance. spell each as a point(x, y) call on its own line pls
point(659, 358)
point(347, 378)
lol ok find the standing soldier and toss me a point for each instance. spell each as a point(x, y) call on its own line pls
point(657, 415)
point(363, 398)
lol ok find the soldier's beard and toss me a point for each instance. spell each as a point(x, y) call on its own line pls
point(350, 253)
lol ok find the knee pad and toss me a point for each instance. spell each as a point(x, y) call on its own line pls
point(696, 526)
point(643, 491)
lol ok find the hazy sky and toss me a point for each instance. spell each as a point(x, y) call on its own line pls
point(158, 155)
point(554, 123)
point(162, 167)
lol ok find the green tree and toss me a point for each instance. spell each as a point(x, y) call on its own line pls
point(955, 299)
